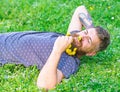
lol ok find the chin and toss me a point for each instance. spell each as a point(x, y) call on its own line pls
point(80, 53)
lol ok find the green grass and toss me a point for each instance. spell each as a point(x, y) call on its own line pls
point(96, 74)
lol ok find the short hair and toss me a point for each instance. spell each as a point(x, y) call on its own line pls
point(104, 37)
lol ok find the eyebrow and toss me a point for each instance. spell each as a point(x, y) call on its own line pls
point(89, 37)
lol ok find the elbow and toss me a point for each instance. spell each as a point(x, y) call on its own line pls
point(82, 6)
point(79, 8)
point(45, 85)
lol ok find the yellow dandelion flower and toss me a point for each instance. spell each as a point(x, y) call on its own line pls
point(70, 54)
point(73, 53)
point(68, 34)
point(68, 50)
point(91, 8)
point(75, 49)
point(79, 38)
point(109, 7)
point(70, 46)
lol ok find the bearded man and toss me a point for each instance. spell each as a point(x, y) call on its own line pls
point(47, 50)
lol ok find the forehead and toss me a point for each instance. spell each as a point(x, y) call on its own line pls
point(93, 35)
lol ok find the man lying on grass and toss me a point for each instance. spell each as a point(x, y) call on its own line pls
point(50, 52)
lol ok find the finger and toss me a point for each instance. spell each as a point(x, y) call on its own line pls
point(66, 39)
point(70, 40)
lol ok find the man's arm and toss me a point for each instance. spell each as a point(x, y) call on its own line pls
point(85, 18)
point(80, 18)
point(50, 75)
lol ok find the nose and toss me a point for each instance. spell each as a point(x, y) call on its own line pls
point(85, 37)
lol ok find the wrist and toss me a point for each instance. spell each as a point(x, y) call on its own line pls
point(56, 52)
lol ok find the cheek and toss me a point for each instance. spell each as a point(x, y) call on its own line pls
point(84, 44)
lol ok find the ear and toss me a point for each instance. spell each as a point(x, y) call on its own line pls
point(91, 53)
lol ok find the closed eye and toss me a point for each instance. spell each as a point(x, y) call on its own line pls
point(90, 40)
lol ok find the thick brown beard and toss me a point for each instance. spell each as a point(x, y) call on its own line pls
point(79, 52)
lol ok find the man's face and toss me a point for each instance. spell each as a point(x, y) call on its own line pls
point(88, 43)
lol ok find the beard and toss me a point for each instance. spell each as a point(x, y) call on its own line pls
point(78, 45)
point(80, 53)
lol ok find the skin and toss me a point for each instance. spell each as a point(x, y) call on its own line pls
point(49, 75)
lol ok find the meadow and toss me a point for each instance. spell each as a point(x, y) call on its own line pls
point(100, 73)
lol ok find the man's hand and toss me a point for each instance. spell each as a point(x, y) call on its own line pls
point(80, 18)
point(62, 43)
point(84, 17)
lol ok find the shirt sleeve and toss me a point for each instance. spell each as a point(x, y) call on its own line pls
point(68, 65)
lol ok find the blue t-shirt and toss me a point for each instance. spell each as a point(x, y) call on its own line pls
point(34, 48)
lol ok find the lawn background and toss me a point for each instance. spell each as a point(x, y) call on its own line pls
point(96, 74)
